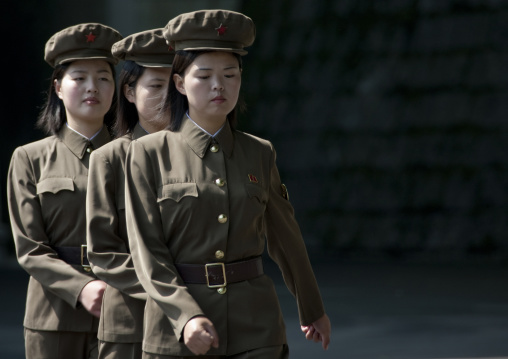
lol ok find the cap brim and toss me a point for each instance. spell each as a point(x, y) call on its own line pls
point(204, 48)
point(151, 64)
point(111, 60)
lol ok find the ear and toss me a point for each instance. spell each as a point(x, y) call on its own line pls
point(129, 93)
point(58, 88)
point(179, 84)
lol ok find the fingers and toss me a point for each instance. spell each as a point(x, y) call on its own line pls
point(213, 334)
point(200, 335)
point(319, 331)
point(325, 342)
point(201, 343)
point(91, 297)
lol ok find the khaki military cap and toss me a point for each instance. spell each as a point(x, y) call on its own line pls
point(219, 30)
point(79, 42)
point(147, 48)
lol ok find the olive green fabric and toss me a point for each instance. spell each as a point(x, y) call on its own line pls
point(220, 30)
point(191, 198)
point(108, 248)
point(46, 199)
point(80, 42)
point(146, 48)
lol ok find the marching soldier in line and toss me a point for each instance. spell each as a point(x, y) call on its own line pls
point(201, 199)
point(143, 85)
point(47, 182)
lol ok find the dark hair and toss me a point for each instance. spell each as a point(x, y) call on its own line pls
point(176, 104)
point(52, 116)
point(127, 115)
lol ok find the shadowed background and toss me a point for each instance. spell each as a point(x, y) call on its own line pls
point(389, 118)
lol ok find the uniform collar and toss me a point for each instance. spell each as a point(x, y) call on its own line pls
point(199, 141)
point(78, 144)
point(138, 132)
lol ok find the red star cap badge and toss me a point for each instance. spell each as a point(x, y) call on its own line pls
point(221, 30)
point(90, 37)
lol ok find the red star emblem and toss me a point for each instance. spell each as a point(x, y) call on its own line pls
point(221, 30)
point(90, 37)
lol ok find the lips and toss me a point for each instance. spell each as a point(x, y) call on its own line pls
point(91, 100)
point(218, 99)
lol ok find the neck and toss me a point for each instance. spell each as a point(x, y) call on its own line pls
point(152, 126)
point(210, 124)
point(87, 129)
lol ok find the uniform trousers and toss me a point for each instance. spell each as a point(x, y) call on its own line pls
point(109, 350)
point(41, 344)
point(275, 352)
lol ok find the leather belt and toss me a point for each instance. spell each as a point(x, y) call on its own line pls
point(217, 275)
point(73, 255)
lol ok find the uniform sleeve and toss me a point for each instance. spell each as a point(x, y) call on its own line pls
point(107, 252)
point(152, 258)
point(31, 240)
point(287, 248)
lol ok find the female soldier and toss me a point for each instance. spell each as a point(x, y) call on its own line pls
point(47, 183)
point(143, 84)
point(201, 198)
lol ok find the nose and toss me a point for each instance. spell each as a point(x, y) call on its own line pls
point(218, 85)
point(92, 87)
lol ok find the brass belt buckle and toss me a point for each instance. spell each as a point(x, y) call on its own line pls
point(86, 267)
point(223, 275)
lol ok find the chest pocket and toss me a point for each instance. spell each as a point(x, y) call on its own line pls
point(256, 191)
point(55, 185)
point(177, 191)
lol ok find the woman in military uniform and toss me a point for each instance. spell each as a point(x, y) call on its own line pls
point(47, 183)
point(200, 201)
point(143, 84)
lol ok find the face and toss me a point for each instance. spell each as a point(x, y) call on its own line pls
point(212, 85)
point(148, 96)
point(87, 90)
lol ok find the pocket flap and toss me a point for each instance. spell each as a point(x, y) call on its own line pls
point(55, 185)
point(176, 191)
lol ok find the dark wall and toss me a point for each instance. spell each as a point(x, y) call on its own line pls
point(389, 117)
point(390, 120)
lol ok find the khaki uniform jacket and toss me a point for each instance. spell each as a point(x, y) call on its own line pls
point(46, 192)
point(178, 186)
point(108, 248)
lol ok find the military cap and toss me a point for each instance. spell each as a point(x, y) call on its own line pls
point(220, 30)
point(82, 41)
point(146, 48)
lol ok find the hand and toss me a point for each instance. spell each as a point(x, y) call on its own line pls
point(319, 331)
point(91, 297)
point(199, 335)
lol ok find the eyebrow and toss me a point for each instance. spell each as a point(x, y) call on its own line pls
point(85, 71)
point(225, 68)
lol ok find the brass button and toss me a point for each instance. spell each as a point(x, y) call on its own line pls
point(89, 150)
point(222, 218)
point(222, 290)
point(214, 148)
point(219, 254)
point(220, 182)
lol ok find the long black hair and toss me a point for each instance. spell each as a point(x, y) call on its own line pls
point(52, 116)
point(176, 104)
point(127, 114)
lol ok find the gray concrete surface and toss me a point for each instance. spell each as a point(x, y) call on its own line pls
point(384, 310)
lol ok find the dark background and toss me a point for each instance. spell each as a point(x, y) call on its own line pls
point(390, 119)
